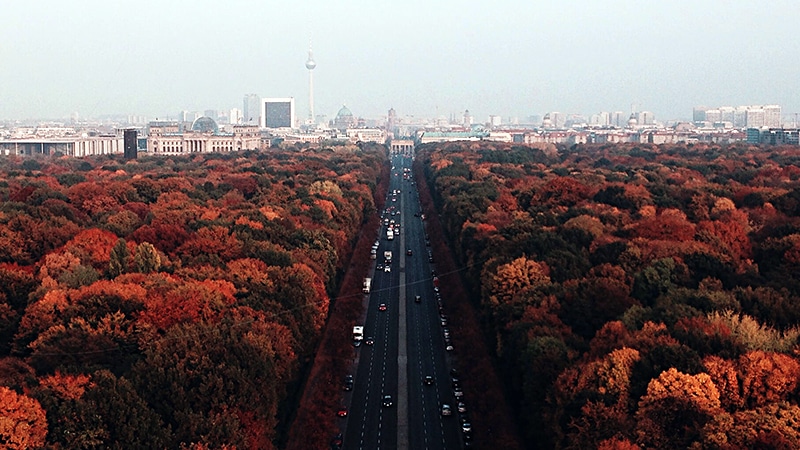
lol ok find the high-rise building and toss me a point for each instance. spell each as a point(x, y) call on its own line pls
point(235, 116)
point(645, 118)
point(602, 119)
point(131, 143)
point(740, 117)
point(699, 113)
point(251, 109)
point(772, 116)
point(755, 118)
point(727, 114)
point(467, 119)
point(391, 120)
point(277, 112)
point(310, 65)
point(619, 119)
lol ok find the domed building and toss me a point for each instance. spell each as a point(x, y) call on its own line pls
point(547, 122)
point(344, 119)
point(632, 121)
point(205, 125)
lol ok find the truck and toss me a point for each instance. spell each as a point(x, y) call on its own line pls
point(389, 235)
point(388, 256)
point(358, 335)
point(367, 285)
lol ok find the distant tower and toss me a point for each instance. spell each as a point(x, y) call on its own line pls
point(310, 65)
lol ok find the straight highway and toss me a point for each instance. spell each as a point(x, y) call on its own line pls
point(407, 339)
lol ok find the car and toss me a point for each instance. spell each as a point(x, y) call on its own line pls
point(454, 374)
point(342, 412)
point(427, 242)
point(443, 320)
point(449, 348)
point(356, 343)
point(417, 299)
point(382, 307)
point(369, 341)
point(387, 268)
point(428, 380)
point(430, 259)
point(337, 441)
point(458, 393)
point(409, 252)
point(379, 267)
point(446, 333)
point(446, 411)
point(348, 382)
point(466, 427)
point(387, 401)
point(462, 408)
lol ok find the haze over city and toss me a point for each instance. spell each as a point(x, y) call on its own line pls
point(513, 59)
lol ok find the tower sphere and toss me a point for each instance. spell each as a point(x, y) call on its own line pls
point(310, 64)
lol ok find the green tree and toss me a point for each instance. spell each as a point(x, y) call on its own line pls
point(147, 259)
point(119, 259)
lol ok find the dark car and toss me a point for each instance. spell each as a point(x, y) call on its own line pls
point(387, 401)
point(428, 380)
point(409, 252)
point(382, 307)
point(446, 411)
point(337, 441)
point(369, 341)
point(342, 412)
point(348, 382)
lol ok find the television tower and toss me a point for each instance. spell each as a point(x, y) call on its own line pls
point(310, 65)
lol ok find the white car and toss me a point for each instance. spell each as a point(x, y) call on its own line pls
point(387, 268)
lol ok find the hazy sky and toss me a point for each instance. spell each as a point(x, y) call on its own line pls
point(422, 57)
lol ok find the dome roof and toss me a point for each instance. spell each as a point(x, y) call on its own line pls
point(205, 125)
point(344, 112)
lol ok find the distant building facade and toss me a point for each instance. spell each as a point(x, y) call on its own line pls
point(167, 139)
point(751, 116)
point(277, 112)
point(75, 146)
point(251, 109)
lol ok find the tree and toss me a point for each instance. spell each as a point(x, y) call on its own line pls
point(200, 377)
point(654, 280)
point(146, 258)
point(23, 424)
point(675, 409)
point(118, 262)
point(767, 377)
point(516, 276)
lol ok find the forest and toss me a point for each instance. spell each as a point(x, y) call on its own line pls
point(170, 302)
point(633, 296)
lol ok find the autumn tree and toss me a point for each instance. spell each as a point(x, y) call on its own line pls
point(675, 409)
point(23, 424)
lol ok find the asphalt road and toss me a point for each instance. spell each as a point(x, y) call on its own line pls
point(408, 343)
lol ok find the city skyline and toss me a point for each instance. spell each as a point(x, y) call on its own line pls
point(510, 60)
